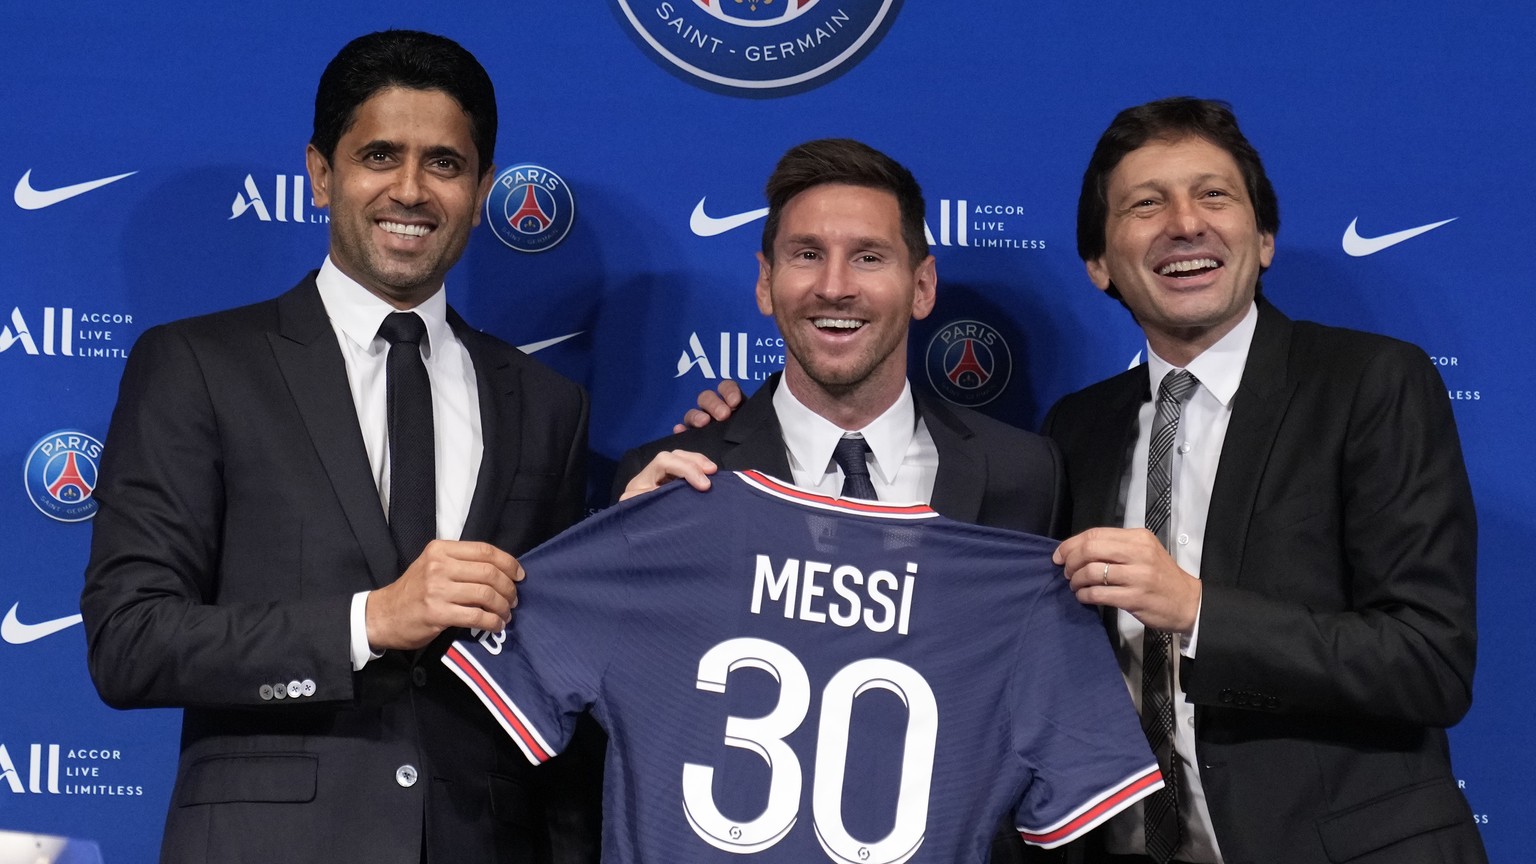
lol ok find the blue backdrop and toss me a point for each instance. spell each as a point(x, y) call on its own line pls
point(661, 119)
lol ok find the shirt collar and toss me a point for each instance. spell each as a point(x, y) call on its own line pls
point(1219, 368)
point(358, 312)
point(810, 437)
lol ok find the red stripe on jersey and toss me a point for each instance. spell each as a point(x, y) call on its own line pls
point(848, 504)
point(498, 705)
point(1114, 803)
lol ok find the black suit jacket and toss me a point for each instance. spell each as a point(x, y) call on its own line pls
point(990, 473)
point(238, 516)
point(1337, 631)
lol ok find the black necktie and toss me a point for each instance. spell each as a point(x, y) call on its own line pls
point(1164, 825)
point(412, 467)
point(849, 454)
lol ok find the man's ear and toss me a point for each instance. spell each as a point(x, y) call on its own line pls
point(764, 285)
point(925, 293)
point(319, 175)
point(487, 180)
point(1098, 273)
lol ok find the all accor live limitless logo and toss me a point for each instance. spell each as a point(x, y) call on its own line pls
point(286, 203)
point(80, 768)
point(58, 331)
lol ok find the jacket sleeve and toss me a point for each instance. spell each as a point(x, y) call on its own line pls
point(1356, 595)
point(162, 627)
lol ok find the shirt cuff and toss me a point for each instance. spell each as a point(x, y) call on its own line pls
point(1187, 646)
point(361, 653)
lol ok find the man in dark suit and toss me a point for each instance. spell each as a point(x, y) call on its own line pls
point(1319, 597)
point(264, 554)
point(844, 269)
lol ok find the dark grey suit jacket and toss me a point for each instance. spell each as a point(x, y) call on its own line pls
point(1337, 631)
point(238, 517)
point(990, 473)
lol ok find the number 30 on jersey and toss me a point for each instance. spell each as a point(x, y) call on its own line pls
point(765, 736)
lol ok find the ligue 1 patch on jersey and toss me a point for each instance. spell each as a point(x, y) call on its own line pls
point(968, 362)
point(757, 47)
point(60, 475)
point(530, 208)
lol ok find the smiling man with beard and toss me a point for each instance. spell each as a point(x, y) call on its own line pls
point(844, 270)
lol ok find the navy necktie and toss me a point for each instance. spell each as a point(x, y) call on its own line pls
point(412, 456)
point(849, 454)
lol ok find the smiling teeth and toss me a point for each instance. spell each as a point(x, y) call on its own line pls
point(838, 323)
point(407, 230)
point(1187, 266)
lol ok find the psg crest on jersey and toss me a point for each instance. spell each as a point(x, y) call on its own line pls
point(757, 47)
point(530, 208)
point(60, 475)
point(968, 363)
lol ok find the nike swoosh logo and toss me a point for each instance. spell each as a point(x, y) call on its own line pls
point(28, 198)
point(1359, 247)
point(17, 633)
point(540, 346)
point(705, 225)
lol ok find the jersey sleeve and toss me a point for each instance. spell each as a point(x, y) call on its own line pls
point(1075, 727)
point(539, 673)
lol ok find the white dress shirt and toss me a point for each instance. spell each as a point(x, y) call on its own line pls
point(1196, 455)
point(356, 314)
point(903, 460)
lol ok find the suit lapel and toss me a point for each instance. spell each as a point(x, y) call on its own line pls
point(496, 383)
point(962, 477)
point(1257, 410)
point(1101, 469)
point(311, 363)
point(754, 437)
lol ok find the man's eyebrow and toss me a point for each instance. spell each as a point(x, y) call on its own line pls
point(379, 144)
point(870, 242)
point(442, 150)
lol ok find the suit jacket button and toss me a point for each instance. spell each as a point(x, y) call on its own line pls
point(419, 676)
point(1225, 696)
point(405, 775)
point(295, 689)
point(307, 687)
point(279, 690)
point(266, 692)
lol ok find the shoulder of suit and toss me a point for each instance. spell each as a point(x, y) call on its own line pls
point(982, 425)
point(1337, 349)
point(536, 374)
point(227, 327)
point(708, 440)
point(1113, 387)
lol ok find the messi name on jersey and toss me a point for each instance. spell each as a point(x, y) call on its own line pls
point(799, 678)
point(878, 601)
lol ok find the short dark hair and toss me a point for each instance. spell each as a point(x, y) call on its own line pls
point(1172, 119)
point(403, 58)
point(843, 160)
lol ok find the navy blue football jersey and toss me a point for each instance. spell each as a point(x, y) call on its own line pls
point(802, 678)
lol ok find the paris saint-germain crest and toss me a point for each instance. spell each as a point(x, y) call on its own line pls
point(757, 47)
point(969, 363)
point(60, 475)
point(530, 208)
